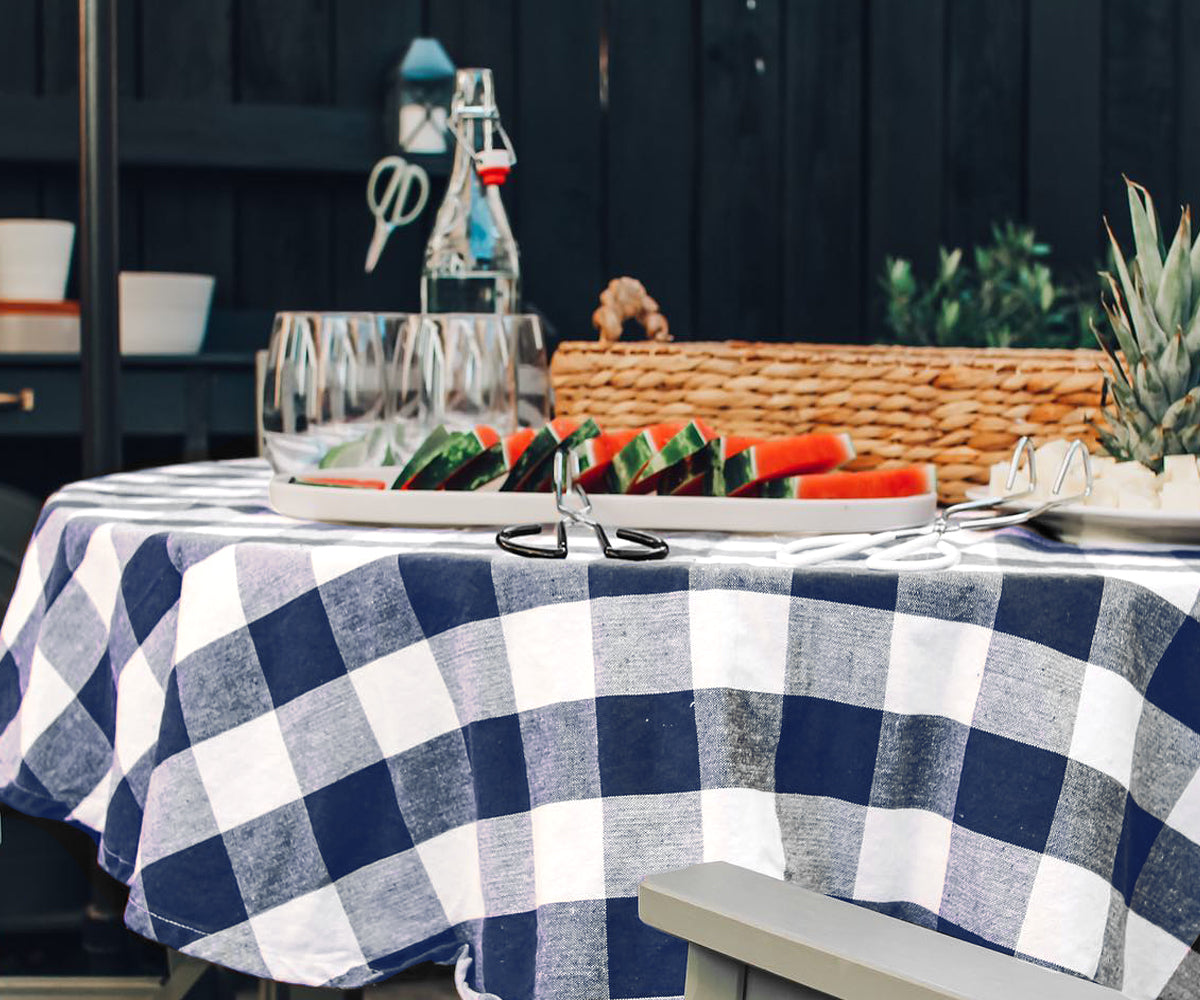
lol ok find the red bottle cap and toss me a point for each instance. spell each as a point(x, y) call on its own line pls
point(493, 166)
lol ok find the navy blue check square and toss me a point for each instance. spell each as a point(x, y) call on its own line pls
point(150, 585)
point(345, 846)
point(827, 748)
point(1009, 790)
point(1058, 611)
point(642, 961)
point(296, 648)
point(206, 865)
point(497, 756)
point(648, 744)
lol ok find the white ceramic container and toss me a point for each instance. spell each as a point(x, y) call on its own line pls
point(35, 259)
point(164, 313)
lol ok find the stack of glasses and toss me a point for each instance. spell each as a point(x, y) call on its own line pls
point(363, 389)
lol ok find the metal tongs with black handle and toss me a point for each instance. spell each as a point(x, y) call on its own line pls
point(566, 485)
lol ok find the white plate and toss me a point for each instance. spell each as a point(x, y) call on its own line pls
point(1080, 523)
point(491, 507)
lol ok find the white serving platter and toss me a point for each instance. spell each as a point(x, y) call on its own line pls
point(352, 505)
point(1099, 525)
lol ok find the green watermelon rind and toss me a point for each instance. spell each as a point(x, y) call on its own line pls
point(696, 465)
point(540, 480)
point(426, 452)
point(628, 462)
point(688, 441)
point(461, 448)
point(544, 442)
point(487, 466)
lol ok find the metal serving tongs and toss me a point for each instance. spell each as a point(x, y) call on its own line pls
point(927, 546)
point(566, 484)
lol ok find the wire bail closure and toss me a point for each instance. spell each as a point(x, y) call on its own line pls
point(492, 164)
point(566, 485)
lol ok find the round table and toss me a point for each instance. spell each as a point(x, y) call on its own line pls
point(319, 753)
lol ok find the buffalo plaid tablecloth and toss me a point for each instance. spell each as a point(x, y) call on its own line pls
point(319, 753)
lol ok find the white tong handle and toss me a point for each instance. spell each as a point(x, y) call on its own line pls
point(823, 548)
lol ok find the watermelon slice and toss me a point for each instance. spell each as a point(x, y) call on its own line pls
point(542, 480)
point(596, 454)
point(690, 439)
point(775, 459)
point(459, 449)
point(532, 471)
point(425, 453)
point(493, 463)
point(341, 482)
point(628, 463)
point(703, 472)
point(906, 481)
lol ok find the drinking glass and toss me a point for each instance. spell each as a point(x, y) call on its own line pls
point(459, 370)
point(461, 366)
point(326, 399)
point(531, 370)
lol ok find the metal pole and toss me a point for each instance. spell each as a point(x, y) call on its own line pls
point(99, 349)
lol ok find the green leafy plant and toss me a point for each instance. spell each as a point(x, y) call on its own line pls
point(1005, 297)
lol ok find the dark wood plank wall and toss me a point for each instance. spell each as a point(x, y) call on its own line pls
point(753, 161)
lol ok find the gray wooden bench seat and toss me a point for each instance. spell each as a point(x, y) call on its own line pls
point(752, 937)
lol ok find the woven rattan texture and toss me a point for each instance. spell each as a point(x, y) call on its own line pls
point(960, 408)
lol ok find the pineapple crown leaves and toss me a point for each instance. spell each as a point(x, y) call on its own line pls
point(1154, 323)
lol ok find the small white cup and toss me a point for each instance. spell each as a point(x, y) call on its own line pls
point(35, 259)
point(164, 313)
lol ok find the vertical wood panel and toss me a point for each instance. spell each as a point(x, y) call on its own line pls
point(984, 122)
point(18, 75)
point(740, 227)
point(1064, 128)
point(484, 33)
point(904, 197)
point(1139, 138)
point(651, 139)
point(188, 216)
point(1188, 192)
point(18, 47)
point(559, 188)
point(284, 224)
point(371, 41)
point(823, 171)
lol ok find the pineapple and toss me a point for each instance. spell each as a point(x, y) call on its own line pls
point(1154, 321)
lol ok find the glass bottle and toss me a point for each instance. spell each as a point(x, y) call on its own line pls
point(471, 262)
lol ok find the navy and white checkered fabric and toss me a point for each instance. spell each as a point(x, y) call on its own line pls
point(319, 754)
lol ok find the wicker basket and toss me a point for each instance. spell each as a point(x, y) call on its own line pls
point(960, 408)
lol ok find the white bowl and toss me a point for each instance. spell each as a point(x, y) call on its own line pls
point(35, 259)
point(164, 313)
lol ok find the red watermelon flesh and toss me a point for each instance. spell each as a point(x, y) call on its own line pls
point(460, 449)
point(702, 472)
point(692, 437)
point(493, 463)
point(781, 457)
point(904, 481)
point(596, 455)
point(537, 452)
point(628, 463)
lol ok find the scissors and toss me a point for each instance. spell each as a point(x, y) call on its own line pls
point(388, 207)
point(926, 547)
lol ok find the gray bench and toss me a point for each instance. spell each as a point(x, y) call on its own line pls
point(752, 937)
